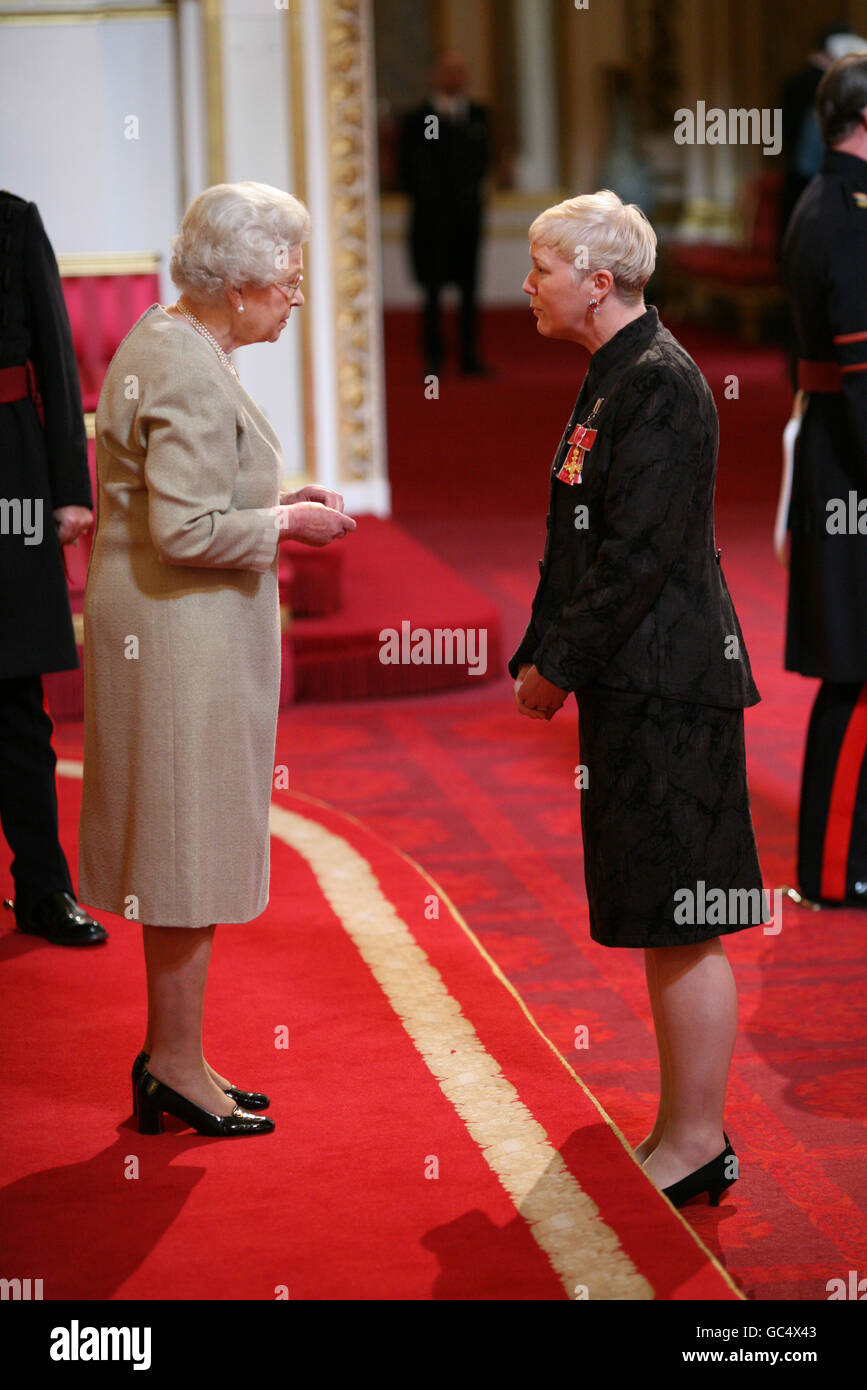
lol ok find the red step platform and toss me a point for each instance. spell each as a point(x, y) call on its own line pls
point(336, 601)
point(391, 582)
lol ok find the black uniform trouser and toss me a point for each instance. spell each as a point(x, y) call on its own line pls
point(432, 337)
point(832, 830)
point(28, 794)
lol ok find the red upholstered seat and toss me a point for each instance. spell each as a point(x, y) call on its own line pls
point(102, 309)
point(747, 274)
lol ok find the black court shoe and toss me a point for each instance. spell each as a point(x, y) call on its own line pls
point(248, 1100)
point(155, 1100)
point(712, 1178)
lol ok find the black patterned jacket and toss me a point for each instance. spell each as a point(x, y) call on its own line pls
point(631, 592)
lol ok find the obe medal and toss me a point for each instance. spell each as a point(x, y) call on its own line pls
point(581, 439)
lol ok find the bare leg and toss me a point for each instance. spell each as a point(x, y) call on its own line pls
point(215, 1076)
point(646, 1147)
point(176, 959)
point(697, 1000)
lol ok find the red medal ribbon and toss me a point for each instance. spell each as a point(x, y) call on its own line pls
point(582, 439)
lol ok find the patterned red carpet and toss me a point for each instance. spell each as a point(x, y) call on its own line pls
point(364, 1098)
point(429, 1142)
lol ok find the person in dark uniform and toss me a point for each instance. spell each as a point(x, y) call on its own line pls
point(825, 270)
point(633, 615)
point(443, 158)
point(46, 503)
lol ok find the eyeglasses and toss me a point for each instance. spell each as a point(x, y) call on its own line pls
point(290, 289)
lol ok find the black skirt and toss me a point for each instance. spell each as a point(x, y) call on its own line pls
point(670, 853)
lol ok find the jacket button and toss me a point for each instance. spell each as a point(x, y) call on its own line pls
point(718, 554)
point(541, 567)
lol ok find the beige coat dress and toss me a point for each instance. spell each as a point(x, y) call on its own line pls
point(181, 638)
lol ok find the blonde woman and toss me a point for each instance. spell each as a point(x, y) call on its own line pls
point(632, 613)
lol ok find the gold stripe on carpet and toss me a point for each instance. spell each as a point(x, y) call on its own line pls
point(564, 1221)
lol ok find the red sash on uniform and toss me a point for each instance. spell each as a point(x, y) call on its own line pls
point(13, 384)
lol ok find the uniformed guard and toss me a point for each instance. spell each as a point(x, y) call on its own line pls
point(825, 268)
point(45, 503)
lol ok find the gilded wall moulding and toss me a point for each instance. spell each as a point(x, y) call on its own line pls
point(348, 41)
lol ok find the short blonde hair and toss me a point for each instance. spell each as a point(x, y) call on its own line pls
point(596, 231)
point(236, 232)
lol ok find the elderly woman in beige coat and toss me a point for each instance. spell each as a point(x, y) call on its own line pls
point(182, 631)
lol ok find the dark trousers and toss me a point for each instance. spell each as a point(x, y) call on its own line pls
point(28, 795)
point(432, 337)
point(832, 830)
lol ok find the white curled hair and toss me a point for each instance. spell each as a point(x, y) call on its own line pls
point(242, 233)
point(597, 231)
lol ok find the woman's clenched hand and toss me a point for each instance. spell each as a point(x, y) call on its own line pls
point(535, 696)
point(72, 522)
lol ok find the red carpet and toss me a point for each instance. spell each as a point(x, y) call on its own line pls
point(430, 1144)
point(484, 801)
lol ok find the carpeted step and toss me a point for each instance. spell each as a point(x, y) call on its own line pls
point(401, 601)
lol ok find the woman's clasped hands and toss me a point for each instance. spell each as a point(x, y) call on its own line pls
point(314, 515)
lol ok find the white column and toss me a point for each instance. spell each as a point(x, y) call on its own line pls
point(536, 165)
point(193, 113)
point(257, 146)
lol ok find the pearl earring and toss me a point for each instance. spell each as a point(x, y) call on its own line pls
point(240, 308)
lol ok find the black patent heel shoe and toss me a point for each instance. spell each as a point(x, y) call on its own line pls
point(713, 1178)
point(248, 1100)
point(154, 1099)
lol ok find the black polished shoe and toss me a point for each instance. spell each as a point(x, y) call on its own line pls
point(712, 1178)
point(154, 1099)
point(59, 919)
point(248, 1100)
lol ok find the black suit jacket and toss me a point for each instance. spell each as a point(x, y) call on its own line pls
point(825, 268)
point(631, 592)
point(46, 464)
point(442, 166)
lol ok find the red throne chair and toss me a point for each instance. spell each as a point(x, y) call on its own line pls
point(746, 275)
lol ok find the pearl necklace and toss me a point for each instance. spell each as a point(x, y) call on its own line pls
point(206, 333)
